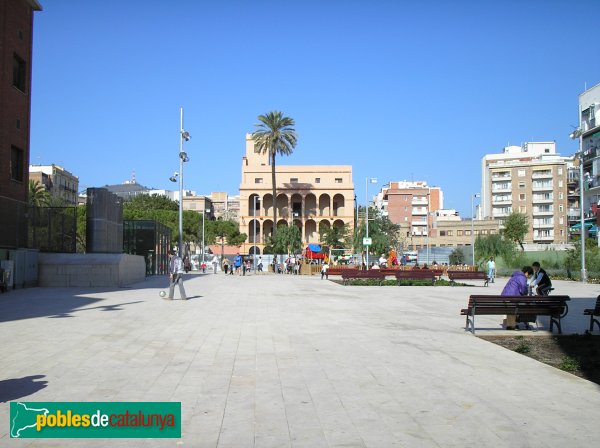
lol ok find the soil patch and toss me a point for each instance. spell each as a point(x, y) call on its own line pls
point(576, 354)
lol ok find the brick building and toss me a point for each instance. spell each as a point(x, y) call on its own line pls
point(16, 36)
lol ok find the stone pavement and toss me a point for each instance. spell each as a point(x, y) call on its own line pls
point(286, 361)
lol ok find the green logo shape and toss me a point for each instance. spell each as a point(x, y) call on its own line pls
point(37, 420)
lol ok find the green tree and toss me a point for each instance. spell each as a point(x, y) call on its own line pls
point(151, 202)
point(287, 240)
point(516, 227)
point(335, 237)
point(224, 231)
point(493, 246)
point(38, 196)
point(385, 235)
point(457, 256)
point(275, 135)
point(81, 228)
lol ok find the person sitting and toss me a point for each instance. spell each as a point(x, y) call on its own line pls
point(541, 282)
point(517, 286)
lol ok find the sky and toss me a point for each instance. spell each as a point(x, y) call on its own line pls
point(400, 90)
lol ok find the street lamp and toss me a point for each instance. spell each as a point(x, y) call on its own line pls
point(254, 239)
point(475, 195)
point(368, 180)
point(578, 134)
point(183, 157)
point(204, 211)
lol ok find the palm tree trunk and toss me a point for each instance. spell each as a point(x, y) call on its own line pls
point(274, 194)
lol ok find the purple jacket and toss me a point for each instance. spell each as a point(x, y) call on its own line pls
point(516, 286)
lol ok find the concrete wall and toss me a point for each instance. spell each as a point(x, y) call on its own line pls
point(103, 270)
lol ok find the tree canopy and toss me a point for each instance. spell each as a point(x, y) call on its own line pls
point(516, 227)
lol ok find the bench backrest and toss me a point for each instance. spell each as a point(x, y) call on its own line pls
point(553, 305)
point(363, 274)
point(466, 274)
point(415, 273)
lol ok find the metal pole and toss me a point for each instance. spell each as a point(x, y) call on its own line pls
point(427, 225)
point(203, 245)
point(581, 199)
point(254, 240)
point(181, 184)
point(473, 227)
point(367, 217)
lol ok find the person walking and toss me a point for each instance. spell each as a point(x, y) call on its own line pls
point(260, 264)
point(225, 265)
point(237, 262)
point(215, 263)
point(491, 265)
point(176, 271)
point(325, 271)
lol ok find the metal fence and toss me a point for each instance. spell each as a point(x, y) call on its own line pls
point(13, 223)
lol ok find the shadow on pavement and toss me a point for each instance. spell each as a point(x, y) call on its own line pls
point(16, 388)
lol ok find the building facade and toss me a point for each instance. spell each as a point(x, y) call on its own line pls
point(16, 37)
point(589, 107)
point(531, 179)
point(310, 197)
point(411, 205)
point(59, 183)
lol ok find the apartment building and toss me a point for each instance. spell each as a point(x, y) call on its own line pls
point(59, 183)
point(589, 107)
point(531, 179)
point(16, 36)
point(412, 205)
point(308, 196)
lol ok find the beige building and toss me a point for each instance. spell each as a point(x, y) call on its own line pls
point(225, 206)
point(308, 196)
point(531, 179)
point(58, 182)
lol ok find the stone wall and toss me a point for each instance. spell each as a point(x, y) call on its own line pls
point(100, 270)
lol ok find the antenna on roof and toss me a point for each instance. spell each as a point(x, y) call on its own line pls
point(133, 177)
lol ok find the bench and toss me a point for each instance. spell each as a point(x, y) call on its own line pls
point(468, 275)
point(416, 274)
point(351, 274)
point(554, 307)
point(593, 312)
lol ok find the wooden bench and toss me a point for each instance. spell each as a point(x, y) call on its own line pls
point(468, 275)
point(416, 274)
point(351, 274)
point(555, 307)
point(593, 312)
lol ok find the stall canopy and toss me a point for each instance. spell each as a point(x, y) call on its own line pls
point(314, 251)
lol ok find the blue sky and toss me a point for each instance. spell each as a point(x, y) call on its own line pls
point(397, 89)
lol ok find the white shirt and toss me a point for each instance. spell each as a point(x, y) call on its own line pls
point(176, 265)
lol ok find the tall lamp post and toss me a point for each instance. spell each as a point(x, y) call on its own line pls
point(183, 136)
point(254, 239)
point(578, 134)
point(368, 180)
point(475, 195)
point(204, 211)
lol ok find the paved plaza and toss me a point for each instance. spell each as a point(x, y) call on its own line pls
point(290, 361)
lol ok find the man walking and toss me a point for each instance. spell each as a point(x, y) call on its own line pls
point(491, 265)
point(176, 271)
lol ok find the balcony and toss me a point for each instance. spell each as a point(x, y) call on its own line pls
point(543, 187)
point(419, 212)
point(542, 212)
point(419, 201)
point(543, 226)
point(500, 213)
point(542, 200)
point(501, 200)
point(501, 177)
point(419, 223)
point(501, 189)
point(542, 175)
point(545, 238)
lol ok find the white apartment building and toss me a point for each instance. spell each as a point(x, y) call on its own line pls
point(531, 179)
point(59, 182)
point(589, 107)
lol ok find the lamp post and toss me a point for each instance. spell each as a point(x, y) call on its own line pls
point(372, 180)
point(204, 211)
point(254, 239)
point(183, 135)
point(578, 134)
point(475, 195)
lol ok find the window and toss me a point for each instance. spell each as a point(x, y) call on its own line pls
point(521, 173)
point(16, 164)
point(18, 124)
point(293, 180)
point(522, 196)
point(442, 233)
point(560, 195)
point(338, 180)
point(317, 180)
point(521, 184)
point(449, 232)
point(459, 233)
point(258, 180)
point(522, 209)
point(561, 220)
point(560, 170)
point(560, 184)
point(19, 73)
point(467, 233)
point(560, 207)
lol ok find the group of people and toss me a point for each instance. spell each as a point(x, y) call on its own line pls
point(529, 280)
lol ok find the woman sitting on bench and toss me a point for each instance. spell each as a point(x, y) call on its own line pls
point(517, 286)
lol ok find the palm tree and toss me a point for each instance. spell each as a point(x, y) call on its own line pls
point(275, 135)
point(38, 196)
